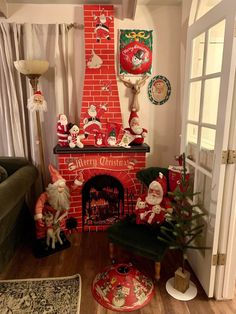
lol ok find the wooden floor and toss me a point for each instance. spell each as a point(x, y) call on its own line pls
point(88, 255)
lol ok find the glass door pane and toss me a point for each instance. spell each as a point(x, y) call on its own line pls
point(198, 45)
point(204, 6)
point(215, 46)
point(211, 100)
point(192, 139)
point(194, 101)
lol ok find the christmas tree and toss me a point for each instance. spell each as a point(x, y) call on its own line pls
point(184, 222)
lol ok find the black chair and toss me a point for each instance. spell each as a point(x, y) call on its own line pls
point(139, 238)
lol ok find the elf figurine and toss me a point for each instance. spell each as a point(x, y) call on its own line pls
point(113, 130)
point(135, 129)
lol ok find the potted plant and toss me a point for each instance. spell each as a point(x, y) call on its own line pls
point(183, 226)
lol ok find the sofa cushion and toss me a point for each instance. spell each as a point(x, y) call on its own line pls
point(3, 174)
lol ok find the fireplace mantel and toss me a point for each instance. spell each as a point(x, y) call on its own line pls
point(144, 148)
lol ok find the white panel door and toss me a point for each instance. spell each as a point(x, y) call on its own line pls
point(206, 119)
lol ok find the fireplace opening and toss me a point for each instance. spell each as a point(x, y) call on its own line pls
point(102, 200)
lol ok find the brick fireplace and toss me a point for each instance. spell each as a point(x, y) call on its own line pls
point(110, 187)
point(119, 163)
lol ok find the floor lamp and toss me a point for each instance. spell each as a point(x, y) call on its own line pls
point(33, 69)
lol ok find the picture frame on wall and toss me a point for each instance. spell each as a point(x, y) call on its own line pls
point(159, 90)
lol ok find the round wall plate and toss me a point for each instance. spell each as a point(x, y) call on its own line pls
point(159, 90)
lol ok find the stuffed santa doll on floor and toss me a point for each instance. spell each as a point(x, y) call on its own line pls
point(135, 129)
point(55, 201)
point(152, 208)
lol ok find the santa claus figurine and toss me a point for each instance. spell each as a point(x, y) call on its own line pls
point(135, 129)
point(37, 102)
point(56, 201)
point(92, 124)
point(62, 130)
point(102, 26)
point(152, 208)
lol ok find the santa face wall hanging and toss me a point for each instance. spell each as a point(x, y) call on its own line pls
point(135, 52)
point(159, 90)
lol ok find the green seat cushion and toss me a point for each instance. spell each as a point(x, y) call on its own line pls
point(141, 239)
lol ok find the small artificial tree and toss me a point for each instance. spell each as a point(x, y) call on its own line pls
point(184, 221)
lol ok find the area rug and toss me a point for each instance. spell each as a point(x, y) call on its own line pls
point(59, 295)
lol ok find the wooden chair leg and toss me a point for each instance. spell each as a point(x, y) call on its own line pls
point(157, 270)
point(112, 251)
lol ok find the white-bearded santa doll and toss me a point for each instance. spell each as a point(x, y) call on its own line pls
point(135, 129)
point(62, 130)
point(55, 200)
point(155, 204)
point(37, 102)
point(92, 124)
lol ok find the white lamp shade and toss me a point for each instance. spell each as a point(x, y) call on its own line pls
point(29, 67)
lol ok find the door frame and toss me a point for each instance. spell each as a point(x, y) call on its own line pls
point(224, 9)
point(226, 274)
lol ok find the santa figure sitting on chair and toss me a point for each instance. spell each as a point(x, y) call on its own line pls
point(152, 208)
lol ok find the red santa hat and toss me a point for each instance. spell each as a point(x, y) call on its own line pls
point(38, 93)
point(55, 175)
point(159, 183)
point(133, 115)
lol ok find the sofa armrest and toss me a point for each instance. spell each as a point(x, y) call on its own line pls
point(11, 164)
point(14, 188)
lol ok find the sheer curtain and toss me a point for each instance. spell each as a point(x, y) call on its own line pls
point(61, 85)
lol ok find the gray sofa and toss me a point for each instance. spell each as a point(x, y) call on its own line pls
point(14, 214)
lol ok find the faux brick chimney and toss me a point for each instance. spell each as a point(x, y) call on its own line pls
point(95, 78)
point(118, 162)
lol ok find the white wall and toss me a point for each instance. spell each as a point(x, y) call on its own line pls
point(162, 122)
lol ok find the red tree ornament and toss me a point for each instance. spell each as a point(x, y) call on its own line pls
point(136, 58)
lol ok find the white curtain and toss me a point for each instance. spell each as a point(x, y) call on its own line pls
point(61, 85)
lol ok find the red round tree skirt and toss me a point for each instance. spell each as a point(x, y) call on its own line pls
point(122, 288)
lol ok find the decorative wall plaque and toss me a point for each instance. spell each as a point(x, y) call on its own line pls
point(159, 90)
point(135, 52)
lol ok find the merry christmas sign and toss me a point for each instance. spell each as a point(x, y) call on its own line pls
point(135, 52)
point(101, 162)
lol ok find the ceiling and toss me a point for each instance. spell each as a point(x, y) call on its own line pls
point(124, 8)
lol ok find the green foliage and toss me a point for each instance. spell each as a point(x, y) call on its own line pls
point(184, 222)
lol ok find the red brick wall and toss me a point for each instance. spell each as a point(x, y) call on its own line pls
point(94, 78)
